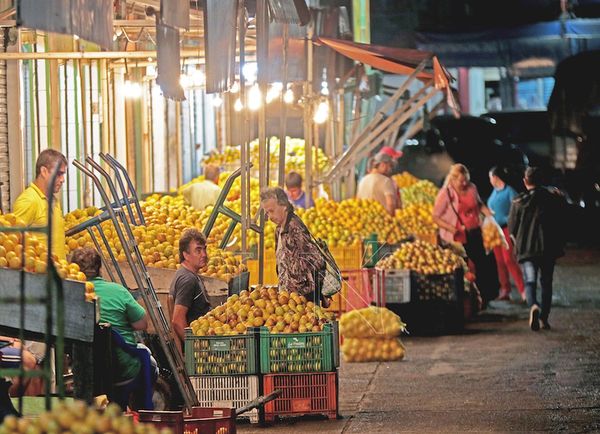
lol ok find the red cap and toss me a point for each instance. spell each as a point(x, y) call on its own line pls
point(391, 152)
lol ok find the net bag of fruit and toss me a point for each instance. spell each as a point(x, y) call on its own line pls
point(492, 235)
point(372, 350)
point(371, 322)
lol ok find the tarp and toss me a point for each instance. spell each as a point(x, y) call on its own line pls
point(401, 61)
point(552, 40)
point(576, 93)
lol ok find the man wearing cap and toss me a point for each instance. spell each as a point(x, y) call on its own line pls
point(378, 184)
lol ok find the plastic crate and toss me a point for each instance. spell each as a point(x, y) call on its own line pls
point(296, 352)
point(220, 355)
point(233, 391)
point(392, 286)
point(163, 419)
point(200, 421)
point(356, 293)
point(301, 394)
point(348, 257)
point(446, 287)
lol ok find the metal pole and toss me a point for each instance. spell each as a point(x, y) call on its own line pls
point(283, 118)
point(308, 111)
point(244, 210)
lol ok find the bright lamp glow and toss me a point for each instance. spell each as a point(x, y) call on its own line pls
point(254, 98)
point(235, 87)
point(132, 89)
point(238, 106)
point(185, 81)
point(217, 101)
point(274, 91)
point(198, 78)
point(321, 113)
point(288, 96)
point(250, 71)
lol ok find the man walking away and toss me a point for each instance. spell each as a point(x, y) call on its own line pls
point(534, 224)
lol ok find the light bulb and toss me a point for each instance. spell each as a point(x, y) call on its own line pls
point(238, 106)
point(217, 101)
point(321, 113)
point(235, 87)
point(198, 78)
point(254, 98)
point(288, 96)
point(274, 92)
point(185, 81)
point(132, 89)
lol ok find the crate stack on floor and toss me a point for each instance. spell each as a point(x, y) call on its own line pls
point(424, 284)
point(304, 367)
point(261, 341)
point(224, 369)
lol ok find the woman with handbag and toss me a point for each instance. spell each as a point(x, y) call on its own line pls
point(457, 212)
point(299, 259)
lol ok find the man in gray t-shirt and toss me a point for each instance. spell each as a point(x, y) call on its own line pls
point(190, 299)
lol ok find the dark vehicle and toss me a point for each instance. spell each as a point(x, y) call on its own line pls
point(472, 141)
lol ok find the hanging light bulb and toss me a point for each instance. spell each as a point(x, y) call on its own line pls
point(321, 113)
point(198, 78)
point(238, 106)
point(235, 87)
point(217, 101)
point(254, 98)
point(185, 81)
point(288, 96)
point(151, 71)
point(274, 91)
point(132, 89)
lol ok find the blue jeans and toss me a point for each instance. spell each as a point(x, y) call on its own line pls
point(544, 268)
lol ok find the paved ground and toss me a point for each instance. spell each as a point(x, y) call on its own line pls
point(497, 376)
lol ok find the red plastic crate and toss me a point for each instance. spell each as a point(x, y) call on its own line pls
point(356, 293)
point(210, 421)
point(163, 419)
point(301, 394)
point(201, 421)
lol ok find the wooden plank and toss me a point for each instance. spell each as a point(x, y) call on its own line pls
point(80, 316)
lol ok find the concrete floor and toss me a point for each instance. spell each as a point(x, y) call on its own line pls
point(496, 376)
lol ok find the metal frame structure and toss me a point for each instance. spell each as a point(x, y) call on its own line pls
point(114, 211)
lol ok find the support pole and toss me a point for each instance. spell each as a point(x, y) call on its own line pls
point(283, 118)
point(308, 91)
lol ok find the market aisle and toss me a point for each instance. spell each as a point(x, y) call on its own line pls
point(498, 376)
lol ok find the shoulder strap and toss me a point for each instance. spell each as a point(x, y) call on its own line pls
point(452, 205)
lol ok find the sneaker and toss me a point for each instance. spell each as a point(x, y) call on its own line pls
point(545, 325)
point(534, 318)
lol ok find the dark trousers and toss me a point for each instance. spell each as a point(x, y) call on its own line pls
point(486, 272)
point(544, 269)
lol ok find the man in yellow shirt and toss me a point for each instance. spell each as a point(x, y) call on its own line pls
point(32, 205)
point(202, 194)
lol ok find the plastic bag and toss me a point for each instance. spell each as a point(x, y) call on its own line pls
point(493, 236)
point(372, 350)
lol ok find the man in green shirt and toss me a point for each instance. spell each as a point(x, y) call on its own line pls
point(120, 310)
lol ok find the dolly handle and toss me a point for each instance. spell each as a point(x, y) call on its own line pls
point(261, 400)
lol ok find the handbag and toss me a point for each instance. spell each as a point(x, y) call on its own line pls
point(328, 277)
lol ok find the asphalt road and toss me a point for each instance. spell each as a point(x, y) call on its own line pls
point(496, 376)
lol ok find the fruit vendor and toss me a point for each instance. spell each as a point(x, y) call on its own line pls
point(32, 207)
point(298, 259)
point(379, 185)
point(190, 299)
point(125, 315)
point(293, 185)
point(204, 193)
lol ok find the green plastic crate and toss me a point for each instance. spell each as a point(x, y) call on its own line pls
point(296, 352)
point(220, 355)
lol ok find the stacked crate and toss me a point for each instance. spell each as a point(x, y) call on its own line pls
point(304, 367)
point(224, 370)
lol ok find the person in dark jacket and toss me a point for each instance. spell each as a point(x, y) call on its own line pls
point(534, 224)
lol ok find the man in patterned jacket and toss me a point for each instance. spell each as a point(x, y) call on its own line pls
point(298, 259)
